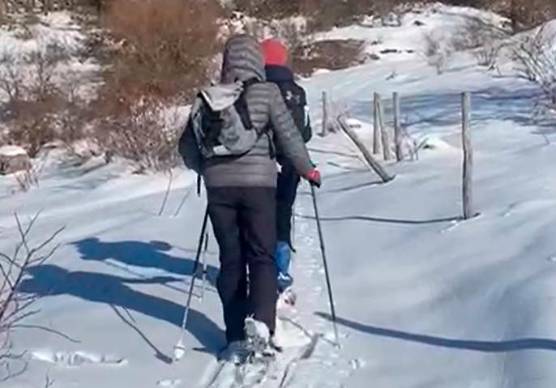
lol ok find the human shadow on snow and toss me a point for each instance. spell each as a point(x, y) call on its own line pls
point(513, 345)
point(50, 280)
point(139, 254)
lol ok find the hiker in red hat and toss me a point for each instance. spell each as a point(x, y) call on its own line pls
point(278, 72)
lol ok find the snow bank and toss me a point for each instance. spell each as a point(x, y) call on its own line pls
point(11, 150)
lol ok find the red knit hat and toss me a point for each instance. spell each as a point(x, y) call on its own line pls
point(275, 53)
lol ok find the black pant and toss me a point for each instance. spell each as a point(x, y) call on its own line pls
point(288, 180)
point(244, 222)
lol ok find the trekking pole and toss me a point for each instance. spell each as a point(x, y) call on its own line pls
point(204, 267)
point(179, 348)
point(326, 272)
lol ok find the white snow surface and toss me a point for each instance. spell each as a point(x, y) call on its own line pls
point(55, 30)
point(408, 39)
point(423, 299)
point(11, 150)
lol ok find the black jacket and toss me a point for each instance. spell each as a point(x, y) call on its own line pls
point(294, 97)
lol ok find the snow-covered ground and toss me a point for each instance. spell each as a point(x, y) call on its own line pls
point(402, 36)
point(423, 298)
point(57, 38)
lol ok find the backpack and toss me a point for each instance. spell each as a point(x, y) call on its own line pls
point(296, 102)
point(221, 121)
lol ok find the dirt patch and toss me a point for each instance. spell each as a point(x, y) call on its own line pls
point(328, 54)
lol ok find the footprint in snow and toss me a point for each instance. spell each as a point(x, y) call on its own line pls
point(78, 358)
point(169, 383)
point(357, 363)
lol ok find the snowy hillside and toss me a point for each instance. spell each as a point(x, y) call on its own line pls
point(423, 298)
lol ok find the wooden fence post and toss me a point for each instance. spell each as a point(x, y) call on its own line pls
point(383, 131)
point(376, 125)
point(374, 164)
point(324, 115)
point(397, 127)
point(467, 157)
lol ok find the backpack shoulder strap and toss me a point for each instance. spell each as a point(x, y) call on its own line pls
point(241, 104)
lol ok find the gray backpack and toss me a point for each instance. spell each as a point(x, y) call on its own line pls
point(221, 121)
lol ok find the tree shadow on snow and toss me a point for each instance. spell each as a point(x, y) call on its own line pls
point(479, 346)
point(50, 280)
point(140, 254)
point(444, 109)
point(384, 220)
point(347, 188)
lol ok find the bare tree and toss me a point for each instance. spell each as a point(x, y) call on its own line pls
point(14, 305)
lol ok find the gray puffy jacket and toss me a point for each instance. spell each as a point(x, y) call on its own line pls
point(243, 61)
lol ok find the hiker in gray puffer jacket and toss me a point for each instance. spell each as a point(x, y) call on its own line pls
point(241, 191)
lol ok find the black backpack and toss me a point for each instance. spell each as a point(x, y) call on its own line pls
point(296, 101)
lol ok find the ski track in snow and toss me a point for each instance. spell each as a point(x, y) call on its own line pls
point(77, 359)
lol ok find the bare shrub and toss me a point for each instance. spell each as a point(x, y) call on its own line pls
point(487, 56)
point(33, 98)
point(11, 78)
point(27, 179)
point(477, 32)
point(164, 50)
point(15, 306)
point(145, 132)
point(437, 52)
point(484, 37)
point(165, 45)
point(536, 61)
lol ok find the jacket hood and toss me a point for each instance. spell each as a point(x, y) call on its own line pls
point(243, 60)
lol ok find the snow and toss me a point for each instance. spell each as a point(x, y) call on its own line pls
point(55, 29)
point(409, 39)
point(423, 298)
point(263, 29)
point(11, 150)
point(58, 30)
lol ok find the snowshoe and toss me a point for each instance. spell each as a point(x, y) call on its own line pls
point(236, 352)
point(258, 340)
